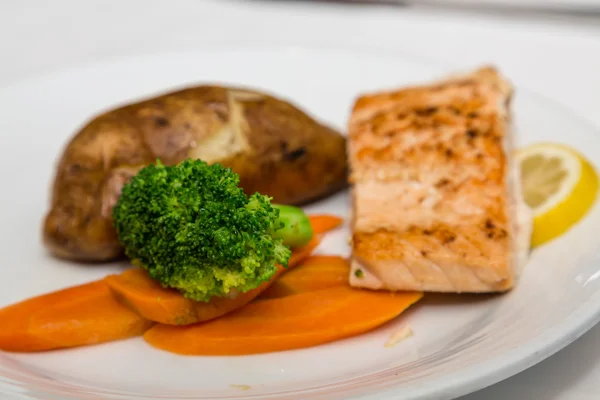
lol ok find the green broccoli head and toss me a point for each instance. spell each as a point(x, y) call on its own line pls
point(194, 229)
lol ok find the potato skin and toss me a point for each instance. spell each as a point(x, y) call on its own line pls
point(275, 147)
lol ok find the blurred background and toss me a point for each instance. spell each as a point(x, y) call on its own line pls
point(551, 47)
point(532, 40)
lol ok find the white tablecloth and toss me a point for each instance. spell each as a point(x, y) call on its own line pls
point(556, 56)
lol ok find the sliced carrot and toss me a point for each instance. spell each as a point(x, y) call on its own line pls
point(322, 223)
point(76, 316)
point(156, 303)
point(317, 272)
point(286, 323)
point(149, 299)
point(302, 253)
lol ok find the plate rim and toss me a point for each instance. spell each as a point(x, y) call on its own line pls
point(456, 383)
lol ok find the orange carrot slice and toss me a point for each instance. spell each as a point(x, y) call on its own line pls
point(286, 323)
point(322, 223)
point(317, 272)
point(149, 299)
point(80, 315)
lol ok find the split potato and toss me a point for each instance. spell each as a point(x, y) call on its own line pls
point(276, 148)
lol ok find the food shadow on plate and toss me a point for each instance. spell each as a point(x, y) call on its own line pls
point(439, 302)
point(454, 299)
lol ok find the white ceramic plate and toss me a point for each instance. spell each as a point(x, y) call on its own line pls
point(460, 343)
point(549, 5)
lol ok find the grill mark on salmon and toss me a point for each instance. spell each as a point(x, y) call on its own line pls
point(435, 203)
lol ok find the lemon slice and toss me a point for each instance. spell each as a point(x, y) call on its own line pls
point(559, 185)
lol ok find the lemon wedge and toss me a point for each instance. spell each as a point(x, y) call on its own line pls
point(559, 185)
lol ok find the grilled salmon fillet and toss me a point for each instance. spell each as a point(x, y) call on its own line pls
point(436, 195)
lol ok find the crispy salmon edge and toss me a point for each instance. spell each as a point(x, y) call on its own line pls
point(361, 276)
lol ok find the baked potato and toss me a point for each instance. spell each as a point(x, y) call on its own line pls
point(276, 148)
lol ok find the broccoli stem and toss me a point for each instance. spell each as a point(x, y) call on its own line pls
point(297, 230)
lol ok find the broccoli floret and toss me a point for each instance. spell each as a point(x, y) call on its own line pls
point(195, 230)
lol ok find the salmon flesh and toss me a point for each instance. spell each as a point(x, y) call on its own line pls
point(437, 203)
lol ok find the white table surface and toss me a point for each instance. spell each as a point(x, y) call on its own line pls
point(558, 57)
